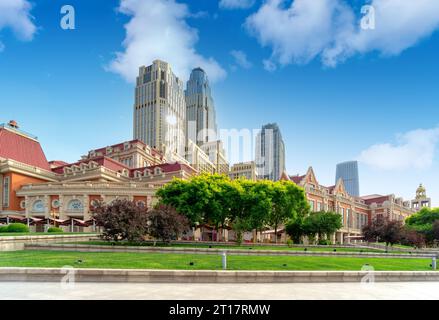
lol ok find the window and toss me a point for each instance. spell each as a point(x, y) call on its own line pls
point(319, 206)
point(311, 204)
point(342, 215)
point(6, 183)
point(38, 206)
point(75, 206)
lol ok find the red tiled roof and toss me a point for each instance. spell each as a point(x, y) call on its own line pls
point(19, 147)
point(375, 199)
point(57, 163)
point(297, 179)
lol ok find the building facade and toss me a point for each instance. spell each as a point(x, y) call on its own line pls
point(42, 193)
point(215, 152)
point(356, 212)
point(348, 172)
point(160, 110)
point(270, 153)
point(244, 170)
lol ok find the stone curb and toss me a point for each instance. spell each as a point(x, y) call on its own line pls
point(206, 276)
point(213, 251)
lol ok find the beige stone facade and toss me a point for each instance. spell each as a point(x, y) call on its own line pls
point(244, 170)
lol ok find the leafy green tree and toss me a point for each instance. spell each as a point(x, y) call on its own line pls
point(324, 223)
point(296, 229)
point(288, 202)
point(423, 223)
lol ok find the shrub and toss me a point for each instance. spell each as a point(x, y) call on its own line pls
point(18, 227)
point(3, 229)
point(166, 224)
point(122, 220)
point(325, 242)
point(289, 243)
point(55, 230)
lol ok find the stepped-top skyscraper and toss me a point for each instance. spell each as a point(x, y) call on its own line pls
point(348, 172)
point(200, 109)
point(270, 153)
point(160, 109)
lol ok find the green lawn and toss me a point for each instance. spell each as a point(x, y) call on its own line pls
point(245, 247)
point(59, 259)
point(16, 234)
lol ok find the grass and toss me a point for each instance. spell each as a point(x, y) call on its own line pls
point(245, 247)
point(13, 234)
point(58, 259)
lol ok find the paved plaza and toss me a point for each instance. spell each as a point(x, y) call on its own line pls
point(155, 291)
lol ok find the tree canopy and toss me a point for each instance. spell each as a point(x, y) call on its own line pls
point(242, 204)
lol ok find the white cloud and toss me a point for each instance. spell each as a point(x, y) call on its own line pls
point(158, 30)
point(412, 150)
point(330, 29)
point(241, 59)
point(269, 65)
point(15, 15)
point(236, 4)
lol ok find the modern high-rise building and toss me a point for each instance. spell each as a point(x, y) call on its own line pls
point(200, 109)
point(160, 110)
point(270, 153)
point(348, 171)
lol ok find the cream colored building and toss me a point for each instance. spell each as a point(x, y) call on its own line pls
point(160, 110)
point(244, 170)
point(198, 159)
point(216, 153)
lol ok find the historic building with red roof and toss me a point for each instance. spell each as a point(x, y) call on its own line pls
point(36, 190)
point(356, 212)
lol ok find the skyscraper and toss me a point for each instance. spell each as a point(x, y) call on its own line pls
point(200, 109)
point(270, 153)
point(160, 110)
point(348, 171)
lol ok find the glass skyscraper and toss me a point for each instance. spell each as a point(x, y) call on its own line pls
point(270, 153)
point(200, 109)
point(348, 171)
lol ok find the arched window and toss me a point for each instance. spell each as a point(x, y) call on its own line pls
point(38, 206)
point(75, 206)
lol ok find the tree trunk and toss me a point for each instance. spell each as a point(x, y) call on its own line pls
point(275, 234)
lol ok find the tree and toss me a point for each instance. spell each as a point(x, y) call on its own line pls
point(296, 229)
point(164, 223)
point(384, 230)
point(413, 238)
point(122, 220)
point(423, 223)
point(322, 223)
point(288, 202)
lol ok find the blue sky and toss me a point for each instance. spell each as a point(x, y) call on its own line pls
point(337, 94)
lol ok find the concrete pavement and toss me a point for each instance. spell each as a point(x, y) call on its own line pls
point(160, 291)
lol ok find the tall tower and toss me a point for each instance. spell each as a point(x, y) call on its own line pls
point(421, 201)
point(348, 171)
point(160, 109)
point(200, 109)
point(270, 153)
